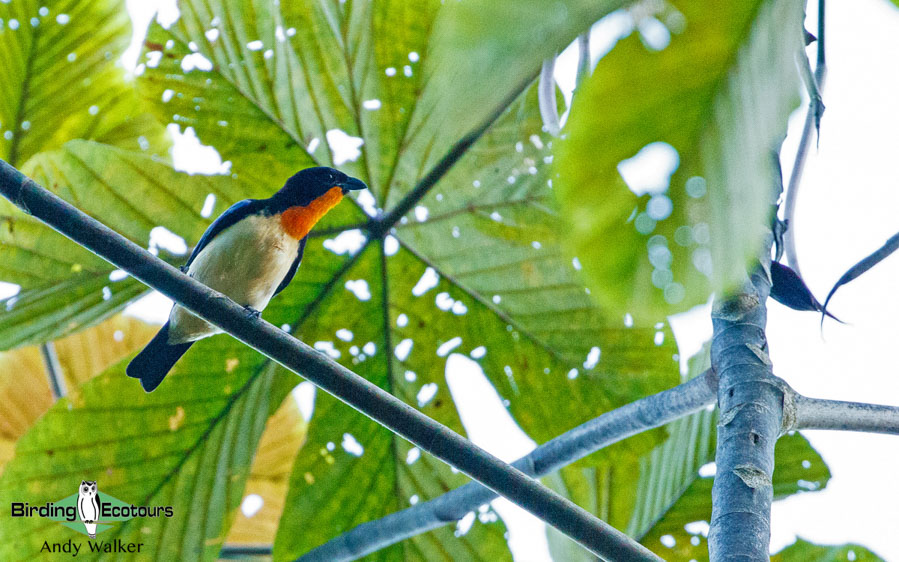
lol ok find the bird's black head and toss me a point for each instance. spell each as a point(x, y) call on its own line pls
point(308, 185)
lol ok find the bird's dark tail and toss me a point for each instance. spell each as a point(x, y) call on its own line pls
point(156, 360)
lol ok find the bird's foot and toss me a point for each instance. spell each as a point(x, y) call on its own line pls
point(94, 536)
point(252, 312)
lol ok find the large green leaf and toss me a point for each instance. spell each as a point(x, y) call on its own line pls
point(798, 469)
point(24, 383)
point(188, 444)
point(60, 80)
point(804, 551)
point(485, 47)
point(280, 77)
point(712, 108)
point(68, 287)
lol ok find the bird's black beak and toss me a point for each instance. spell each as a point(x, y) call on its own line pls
point(352, 184)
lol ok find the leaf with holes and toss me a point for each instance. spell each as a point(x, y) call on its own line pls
point(284, 434)
point(666, 175)
point(60, 80)
point(65, 287)
point(798, 469)
point(188, 445)
point(466, 266)
point(466, 261)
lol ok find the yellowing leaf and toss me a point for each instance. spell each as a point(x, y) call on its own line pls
point(284, 434)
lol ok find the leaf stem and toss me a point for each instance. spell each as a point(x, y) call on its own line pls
point(54, 370)
point(812, 119)
point(381, 227)
point(546, 97)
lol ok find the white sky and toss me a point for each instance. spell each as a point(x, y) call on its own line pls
point(849, 206)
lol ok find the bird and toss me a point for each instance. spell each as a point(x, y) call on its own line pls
point(250, 253)
point(88, 506)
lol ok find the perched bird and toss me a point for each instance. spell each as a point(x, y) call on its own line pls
point(250, 253)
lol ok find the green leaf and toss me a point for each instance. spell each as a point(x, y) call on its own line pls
point(512, 287)
point(485, 47)
point(188, 445)
point(60, 80)
point(285, 433)
point(492, 237)
point(24, 383)
point(713, 104)
point(798, 468)
point(504, 282)
point(66, 287)
point(804, 551)
point(632, 492)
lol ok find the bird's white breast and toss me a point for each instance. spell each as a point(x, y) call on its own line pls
point(246, 261)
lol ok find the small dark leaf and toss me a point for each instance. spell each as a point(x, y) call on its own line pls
point(856, 270)
point(790, 290)
point(818, 104)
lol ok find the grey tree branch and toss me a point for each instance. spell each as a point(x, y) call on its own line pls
point(751, 400)
point(815, 413)
point(581, 441)
point(349, 387)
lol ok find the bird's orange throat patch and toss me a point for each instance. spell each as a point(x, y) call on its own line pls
point(298, 221)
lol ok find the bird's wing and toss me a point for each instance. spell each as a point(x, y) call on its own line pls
point(234, 213)
point(96, 502)
point(293, 268)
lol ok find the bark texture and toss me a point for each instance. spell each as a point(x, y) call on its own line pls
point(751, 401)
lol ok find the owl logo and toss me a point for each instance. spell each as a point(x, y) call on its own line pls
point(89, 506)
